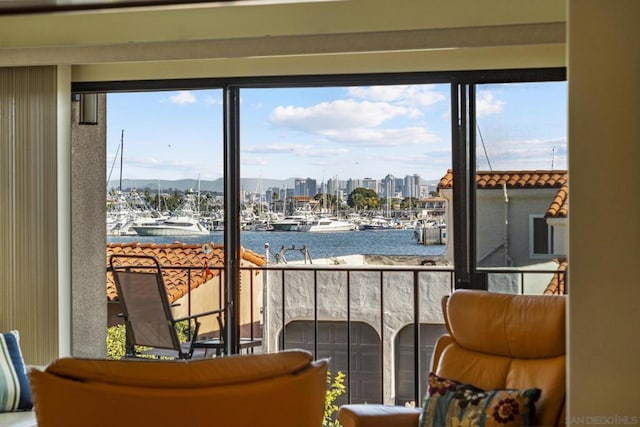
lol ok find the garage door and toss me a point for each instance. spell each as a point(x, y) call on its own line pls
point(405, 372)
point(365, 377)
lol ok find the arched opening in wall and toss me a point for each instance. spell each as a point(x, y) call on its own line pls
point(365, 378)
point(404, 366)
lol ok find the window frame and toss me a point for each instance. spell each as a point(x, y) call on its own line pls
point(532, 237)
point(463, 149)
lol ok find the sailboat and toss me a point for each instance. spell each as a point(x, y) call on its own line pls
point(126, 209)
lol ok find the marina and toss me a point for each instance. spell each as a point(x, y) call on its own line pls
point(319, 245)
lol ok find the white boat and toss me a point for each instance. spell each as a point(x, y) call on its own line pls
point(125, 210)
point(290, 223)
point(377, 223)
point(184, 222)
point(174, 226)
point(326, 225)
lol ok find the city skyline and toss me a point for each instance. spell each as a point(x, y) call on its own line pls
point(335, 131)
point(250, 185)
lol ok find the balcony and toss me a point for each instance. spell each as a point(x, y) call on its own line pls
point(363, 318)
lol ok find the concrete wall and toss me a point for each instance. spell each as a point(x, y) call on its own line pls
point(490, 222)
point(531, 280)
point(561, 235)
point(366, 290)
point(88, 216)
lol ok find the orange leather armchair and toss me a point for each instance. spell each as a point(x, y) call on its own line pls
point(283, 389)
point(495, 341)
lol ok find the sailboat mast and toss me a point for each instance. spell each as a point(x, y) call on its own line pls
point(121, 156)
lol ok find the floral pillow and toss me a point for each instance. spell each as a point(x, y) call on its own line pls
point(450, 403)
point(15, 393)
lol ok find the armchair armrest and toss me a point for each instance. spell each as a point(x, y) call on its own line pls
point(375, 415)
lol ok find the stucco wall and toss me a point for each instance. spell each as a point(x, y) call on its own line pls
point(490, 222)
point(366, 291)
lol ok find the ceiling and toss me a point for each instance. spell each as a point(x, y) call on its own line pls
point(14, 7)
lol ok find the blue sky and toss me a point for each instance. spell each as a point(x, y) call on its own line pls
point(346, 132)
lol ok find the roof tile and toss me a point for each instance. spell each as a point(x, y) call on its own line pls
point(177, 255)
point(557, 285)
point(513, 179)
point(559, 207)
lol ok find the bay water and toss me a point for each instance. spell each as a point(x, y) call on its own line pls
point(319, 245)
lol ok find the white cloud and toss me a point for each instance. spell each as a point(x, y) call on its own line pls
point(299, 150)
point(349, 121)
point(528, 154)
point(145, 167)
point(211, 100)
point(382, 137)
point(413, 95)
point(183, 97)
point(328, 152)
point(254, 161)
point(276, 148)
point(487, 105)
point(340, 114)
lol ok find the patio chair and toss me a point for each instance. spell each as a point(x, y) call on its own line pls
point(245, 343)
point(147, 313)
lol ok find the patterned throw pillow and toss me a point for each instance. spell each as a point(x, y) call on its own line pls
point(15, 393)
point(450, 403)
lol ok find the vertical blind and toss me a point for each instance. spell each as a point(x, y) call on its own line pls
point(28, 213)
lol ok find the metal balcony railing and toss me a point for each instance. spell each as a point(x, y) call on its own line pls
point(377, 324)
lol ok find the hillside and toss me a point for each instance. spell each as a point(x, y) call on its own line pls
point(248, 184)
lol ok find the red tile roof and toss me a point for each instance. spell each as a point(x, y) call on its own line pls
point(178, 255)
point(513, 179)
point(557, 284)
point(559, 207)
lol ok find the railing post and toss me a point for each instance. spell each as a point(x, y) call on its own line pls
point(416, 336)
point(349, 336)
point(382, 341)
point(284, 312)
point(315, 312)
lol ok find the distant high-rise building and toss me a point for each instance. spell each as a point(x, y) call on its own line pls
point(288, 192)
point(352, 184)
point(272, 194)
point(305, 187)
point(411, 186)
point(371, 184)
point(388, 185)
point(333, 186)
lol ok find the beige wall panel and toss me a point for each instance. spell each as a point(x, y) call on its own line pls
point(604, 146)
point(220, 21)
point(28, 209)
point(552, 55)
point(292, 45)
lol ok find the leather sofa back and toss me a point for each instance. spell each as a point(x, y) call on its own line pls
point(285, 388)
point(507, 341)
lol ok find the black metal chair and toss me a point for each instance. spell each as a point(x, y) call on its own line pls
point(147, 312)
